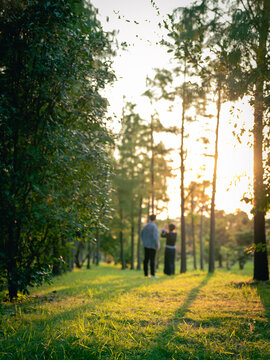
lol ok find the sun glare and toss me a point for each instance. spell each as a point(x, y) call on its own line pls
point(143, 54)
point(235, 160)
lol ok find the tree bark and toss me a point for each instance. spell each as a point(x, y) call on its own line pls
point(123, 260)
point(220, 261)
point(211, 267)
point(193, 231)
point(201, 241)
point(261, 271)
point(132, 245)
point(132, 228)
point(78, 255)
point(88, 254)
point(139, 235)
point(152, 168)
point(98, 247)
point(148, 210)
point(183, 268)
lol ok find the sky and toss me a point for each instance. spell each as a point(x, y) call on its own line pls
point(137, 25)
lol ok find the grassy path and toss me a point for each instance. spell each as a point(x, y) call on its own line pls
point(106, 313)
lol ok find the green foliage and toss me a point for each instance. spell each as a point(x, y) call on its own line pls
point(228, 46)
point(234, 233)
point(129, 180)
point(55, 166)
point(141, 170)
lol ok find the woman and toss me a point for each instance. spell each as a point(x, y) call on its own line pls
point(170, 250)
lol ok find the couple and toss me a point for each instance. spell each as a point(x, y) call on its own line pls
point(150, 238)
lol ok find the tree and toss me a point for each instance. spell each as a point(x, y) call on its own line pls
point(244, 44)
point(203, 199)
point(55, 166)
point(184, 39)
point(158, 151)
point(234, 238)
point(198, 204)
point(128, 177)
point(211, 266)
point(191, 191)
point(207, 60)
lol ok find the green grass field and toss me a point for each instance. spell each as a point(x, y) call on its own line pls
point(107, 313)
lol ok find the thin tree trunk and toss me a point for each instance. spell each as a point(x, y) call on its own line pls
point(183, 267)
point(72, 258)
point(152, 168)
point(211, 267)
point(88, 266)
point(79, 255)
point(201, 241)
point(261, 271)
point(148, 210)
point(97, 247)
point(220, 260)
point(193, 232)
point(132, 224)
point(123, 260)
point(139, 235)
point(132, 244)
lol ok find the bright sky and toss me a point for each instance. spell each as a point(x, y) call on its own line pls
point(137, 23)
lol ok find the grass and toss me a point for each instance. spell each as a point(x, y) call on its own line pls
point(107, 313)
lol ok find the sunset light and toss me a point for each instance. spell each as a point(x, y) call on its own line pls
point(132, 66)
point(134, 179)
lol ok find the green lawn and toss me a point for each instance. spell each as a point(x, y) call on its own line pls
point(107, 313)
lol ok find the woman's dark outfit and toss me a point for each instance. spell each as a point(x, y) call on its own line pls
point(170, 250)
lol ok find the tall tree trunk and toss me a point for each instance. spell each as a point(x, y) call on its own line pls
point(78, 255)
point(148, 210)
point(201, 241)
point(132, 244)
point(183, 267)
point(139, 235)
point(71, 258)
point(193, 232)
point(97, 247)
point(211, 267)
point(132, 223)
point(123, 260)
point(88, 266)
point(152, 168)
point(220, 260)
point(261, 271)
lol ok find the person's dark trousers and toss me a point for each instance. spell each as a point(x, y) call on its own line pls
point(149, 254)
point(169, 267)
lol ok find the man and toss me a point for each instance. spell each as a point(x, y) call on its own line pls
point(150, 238)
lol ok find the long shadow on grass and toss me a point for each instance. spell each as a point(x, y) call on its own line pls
point(160, 350)
point(180, 313)
point(263, 290)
